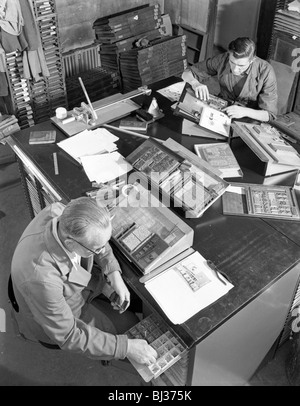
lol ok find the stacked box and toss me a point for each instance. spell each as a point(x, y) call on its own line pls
point(142, 66)
point(120, 32)
point(127, 24)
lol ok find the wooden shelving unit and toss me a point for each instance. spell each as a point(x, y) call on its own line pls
point(197, 20)
point(196, 43)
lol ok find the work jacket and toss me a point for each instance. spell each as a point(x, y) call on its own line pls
point(259, 90)
point(52, 291)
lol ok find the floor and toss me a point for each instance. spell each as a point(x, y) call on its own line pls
point(24, 363)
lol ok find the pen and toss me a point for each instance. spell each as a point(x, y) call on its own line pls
point(217, 272)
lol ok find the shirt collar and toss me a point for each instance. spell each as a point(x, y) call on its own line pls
point(75, 258)
point(77, 274)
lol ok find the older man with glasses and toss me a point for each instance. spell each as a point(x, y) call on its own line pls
point(56, 285)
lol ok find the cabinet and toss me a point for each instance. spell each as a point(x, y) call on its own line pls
point(265, 25)
point(197, 20)
point(196, 44)
point(281, 50)
point(215, 355)
point(37, 93)
point(284, 38)
point(39, 193)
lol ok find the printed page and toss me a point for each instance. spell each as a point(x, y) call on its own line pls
point(187, 287)
point(89, 142)
point(105, 167)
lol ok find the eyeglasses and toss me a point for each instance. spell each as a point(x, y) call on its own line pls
point(99, 250)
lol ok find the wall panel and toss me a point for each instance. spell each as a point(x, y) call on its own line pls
point(76, 18)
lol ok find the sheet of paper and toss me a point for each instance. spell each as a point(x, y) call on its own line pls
point(105, 167)
point(180, 298)
point(173, 92)
point(236, 189)
point(190, 128)
point(89, 142)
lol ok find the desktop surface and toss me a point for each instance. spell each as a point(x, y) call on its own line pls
point(253, 252)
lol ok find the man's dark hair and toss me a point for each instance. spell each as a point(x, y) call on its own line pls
point(242, 47)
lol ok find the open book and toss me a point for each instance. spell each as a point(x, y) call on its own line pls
point(187, 287)
point(207, 115)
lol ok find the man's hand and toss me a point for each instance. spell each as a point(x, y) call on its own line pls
point(140, 351)
point(201, 91)
point(117, 283)
point(236, 111)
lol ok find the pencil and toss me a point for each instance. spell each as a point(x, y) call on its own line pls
point(111, 127)
point(55, 162)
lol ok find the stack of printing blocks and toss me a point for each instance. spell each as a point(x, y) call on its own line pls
point(35, 100)
point(120, 32)
point(49, 92)
point(171, 350)
point(19, 89)
point(164, 58)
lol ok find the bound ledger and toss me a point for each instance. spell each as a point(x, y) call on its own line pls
point(207, 115)
point(42, 137)
point(187, 287)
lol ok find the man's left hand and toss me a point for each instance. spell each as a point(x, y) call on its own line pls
point(235, 111)
point(118, 284)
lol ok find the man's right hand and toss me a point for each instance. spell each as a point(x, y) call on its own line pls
point(201, 91)
point(140, 351)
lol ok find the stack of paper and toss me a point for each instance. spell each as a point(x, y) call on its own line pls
point(173, 92)
point(294, 6)
point(105, 167)
point(287, 21)
point(96, 151)
point(89, 142)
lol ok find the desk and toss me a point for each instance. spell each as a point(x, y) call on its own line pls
point(229, 339)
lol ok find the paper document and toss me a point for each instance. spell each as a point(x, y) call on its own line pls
point(89, 142)
point(173, 92)
point(190, 128)
point(187, 287)
point(105, 167)
point(194, 129)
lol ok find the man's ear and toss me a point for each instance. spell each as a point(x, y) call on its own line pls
point(69, 243)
